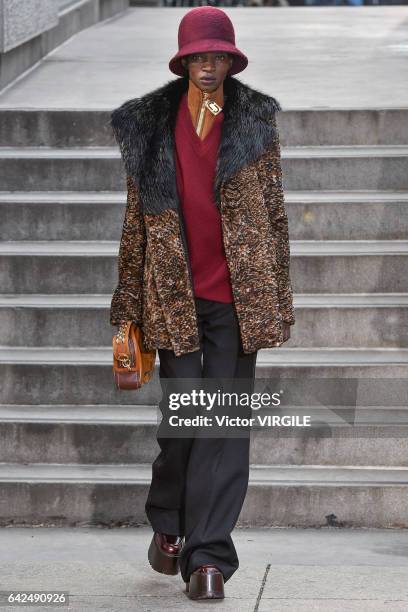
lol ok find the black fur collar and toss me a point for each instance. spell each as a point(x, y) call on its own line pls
point(144, 130)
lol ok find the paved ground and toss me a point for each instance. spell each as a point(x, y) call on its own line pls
point(298, 570)
point(307, 57)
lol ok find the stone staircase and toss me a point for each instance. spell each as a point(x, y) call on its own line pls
point(74, 450)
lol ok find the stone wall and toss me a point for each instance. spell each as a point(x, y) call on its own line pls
point(21, 21)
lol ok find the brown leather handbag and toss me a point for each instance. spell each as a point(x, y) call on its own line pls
point(132, 364)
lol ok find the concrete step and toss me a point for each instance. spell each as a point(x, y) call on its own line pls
point(77, 375)
point(345, 167)
point(302, 496)
point(103, 434)
point(316, 266)
point(93, 215)
point(347, 215)
point(72, 127)
point(371, 320)
point(280, 357)
point(62, 215)
point(365, 167)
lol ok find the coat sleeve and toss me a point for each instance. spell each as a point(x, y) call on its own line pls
point(126, 304)
point(270, 176)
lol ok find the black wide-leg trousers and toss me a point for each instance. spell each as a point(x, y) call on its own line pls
point(199, 483)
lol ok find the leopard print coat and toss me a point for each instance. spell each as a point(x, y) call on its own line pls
point(155, 284)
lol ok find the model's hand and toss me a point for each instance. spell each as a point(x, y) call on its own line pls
point(286, 331)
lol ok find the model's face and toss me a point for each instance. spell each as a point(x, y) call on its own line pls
point(207, 70)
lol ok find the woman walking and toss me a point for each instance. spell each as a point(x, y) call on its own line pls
point(204, 270)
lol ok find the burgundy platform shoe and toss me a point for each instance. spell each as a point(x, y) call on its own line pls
point(206, 582)
point(164, 552)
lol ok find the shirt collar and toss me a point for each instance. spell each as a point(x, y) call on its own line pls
point(195, 99)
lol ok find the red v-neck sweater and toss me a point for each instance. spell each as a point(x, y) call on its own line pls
point(195, 169)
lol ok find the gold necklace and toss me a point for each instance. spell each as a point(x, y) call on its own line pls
point(212, 106)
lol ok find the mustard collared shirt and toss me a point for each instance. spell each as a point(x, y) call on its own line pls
point(195, 99)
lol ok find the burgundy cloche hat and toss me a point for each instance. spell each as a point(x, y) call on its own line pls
point(207, 28)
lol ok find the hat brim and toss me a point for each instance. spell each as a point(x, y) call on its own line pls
point(240, 61)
